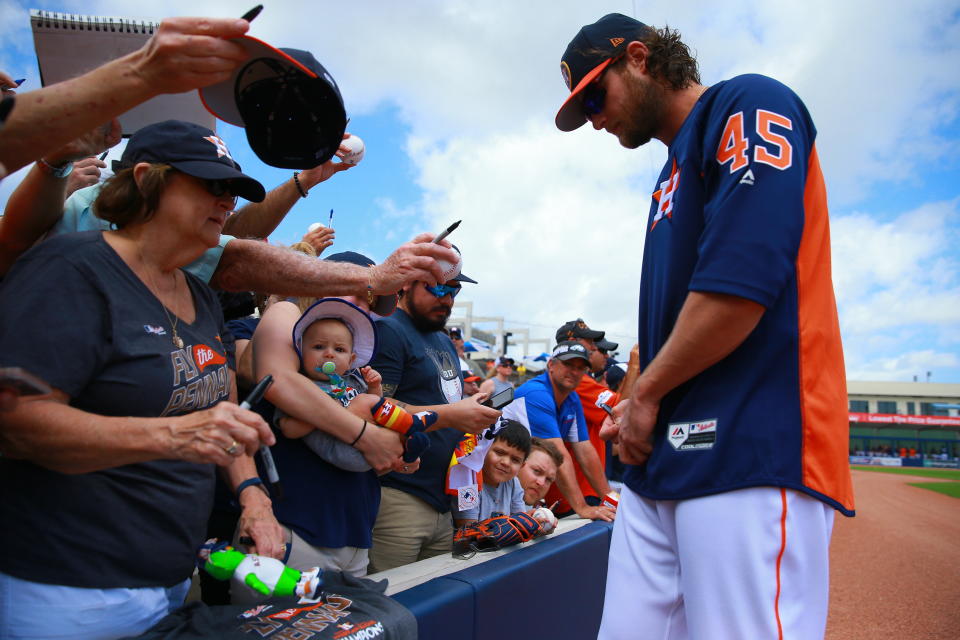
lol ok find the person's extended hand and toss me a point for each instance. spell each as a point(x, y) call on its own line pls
point(190, 53)
point(406, 467)
point(373, 379)
point(85, 173)
point(468, 415)
point(216, 435)
point(312, 177)
point(7, 85)
point(597, 513)
point(415, 260)
point(320, 238)
point(381, 448)
point(610, 429)
point(258, 522)
point(636, 430)
point(91, 143)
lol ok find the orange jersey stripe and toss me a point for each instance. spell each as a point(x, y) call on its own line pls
point(823, 384)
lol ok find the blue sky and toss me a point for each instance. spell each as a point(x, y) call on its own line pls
point(455, 101)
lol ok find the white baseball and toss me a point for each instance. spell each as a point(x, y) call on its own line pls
point(546, 518)
point(451, 271)
point(315, 226)
point(356, 148)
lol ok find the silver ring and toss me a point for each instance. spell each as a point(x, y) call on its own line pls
point(232, 449)
point(406, 468)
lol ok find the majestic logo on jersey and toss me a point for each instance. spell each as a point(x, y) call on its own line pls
point(748, 178)
point(221, 146)
point(664, 196)
point(565, 72)
point(685, 436)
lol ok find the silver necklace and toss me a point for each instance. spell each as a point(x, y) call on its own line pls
point(173, 320)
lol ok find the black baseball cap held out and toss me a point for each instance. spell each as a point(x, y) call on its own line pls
point(288, 103)
point(591, 51)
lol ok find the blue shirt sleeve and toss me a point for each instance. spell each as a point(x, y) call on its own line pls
point(576, 431)
point(756, 145)
point(541, 415)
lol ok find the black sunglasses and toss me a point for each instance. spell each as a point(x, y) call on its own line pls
point(594, 94)
point(219, 189)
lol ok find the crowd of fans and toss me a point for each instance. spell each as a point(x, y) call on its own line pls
point(131, 301)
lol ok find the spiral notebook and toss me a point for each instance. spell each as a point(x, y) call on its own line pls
point(69, 45)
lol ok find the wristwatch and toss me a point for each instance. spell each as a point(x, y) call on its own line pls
point(61, 171)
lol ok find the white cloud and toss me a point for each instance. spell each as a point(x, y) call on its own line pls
point(904, 367)
point(898, 288)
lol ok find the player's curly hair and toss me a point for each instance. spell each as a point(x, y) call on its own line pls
point(669, 60)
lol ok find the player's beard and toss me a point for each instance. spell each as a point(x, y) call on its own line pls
point(426, 324)
point(646, 103)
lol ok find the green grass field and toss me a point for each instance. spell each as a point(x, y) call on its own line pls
point(925, 472)
point(951, 489)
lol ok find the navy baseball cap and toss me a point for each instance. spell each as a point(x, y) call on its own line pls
point(383, 305)
point(590, 52)
point(577, 329)
point(288, 102)
point(190, 149)
point(606, 345)
point(568, 350)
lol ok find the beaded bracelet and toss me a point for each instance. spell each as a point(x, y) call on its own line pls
point(296, 181)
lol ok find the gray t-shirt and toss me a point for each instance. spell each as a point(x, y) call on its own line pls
point(495, 499)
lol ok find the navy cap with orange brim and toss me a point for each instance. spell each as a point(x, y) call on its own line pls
point(219, 99)
point(590, 52)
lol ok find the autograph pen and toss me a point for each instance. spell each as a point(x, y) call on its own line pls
point(253, 13)
point(255, 396)
point(443, 234)
point(330, 221)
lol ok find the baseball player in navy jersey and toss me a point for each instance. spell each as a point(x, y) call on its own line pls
point(736, 431)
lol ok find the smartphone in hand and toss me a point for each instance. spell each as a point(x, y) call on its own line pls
point(499, 400)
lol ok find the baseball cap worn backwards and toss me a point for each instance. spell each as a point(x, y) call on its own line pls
point(591, 51)
point(568, 350)
point(190, 149)
point(288, 102)
point(577, 329)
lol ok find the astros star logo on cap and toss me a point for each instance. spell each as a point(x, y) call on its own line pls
point(220, 145)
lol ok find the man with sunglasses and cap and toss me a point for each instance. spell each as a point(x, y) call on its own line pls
point(550, 407)
point(736, 431)
point(593, 482)
point(420, 367)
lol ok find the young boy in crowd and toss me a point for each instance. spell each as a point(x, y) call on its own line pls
point(501, 493)
point(335, 340)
